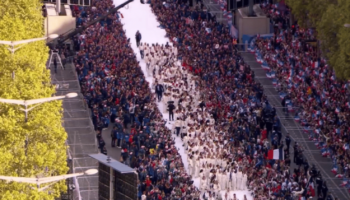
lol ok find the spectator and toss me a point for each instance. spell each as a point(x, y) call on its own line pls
point(216, 100)
point(309, 84)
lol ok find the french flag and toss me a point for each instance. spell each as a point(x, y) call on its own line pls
point(339, 175)
point(320, 122)
point(282, 95)
point(337, 131)
point(273, 74)
point(347, 104)
point(344, 182)
point(334, 170)
point(298, 77)
point(333, 78)
point(260, 60)
point(268, 74)
point(265, 66)
point(315, 64)
point(337, 110)
point(297, 118)
point(275, 154)
point(306, 129)
point(274, 82)
point(322, 75)
point(274, 58)
point(324, 152)
point(291, 73)
point(318, 131)
point(311, 189)
point(318, 112)
point(307, 71)
point(268, 46)
point(279, 63)
point(325, 92)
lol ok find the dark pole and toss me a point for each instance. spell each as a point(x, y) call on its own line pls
point(251, 11)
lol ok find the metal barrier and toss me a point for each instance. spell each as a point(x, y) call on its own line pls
point(81, 134)
point(217, 8)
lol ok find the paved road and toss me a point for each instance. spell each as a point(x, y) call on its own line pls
point(311, 153)
point(81, 136)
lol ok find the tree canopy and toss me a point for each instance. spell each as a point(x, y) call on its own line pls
point(45, 153)
point(328, 18)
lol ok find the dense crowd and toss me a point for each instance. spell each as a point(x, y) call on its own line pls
point(309, 84)
point(225, 110)
point(239, 108)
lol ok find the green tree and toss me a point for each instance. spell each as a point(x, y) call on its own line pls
point(45, 153)
point(338, 44)
point(328, 17)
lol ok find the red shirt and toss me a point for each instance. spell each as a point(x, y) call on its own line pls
point(245, 100)
point(148, 182)
point(263, 135)
point(117, 101)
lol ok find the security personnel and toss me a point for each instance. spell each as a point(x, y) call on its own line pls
point(288, 141)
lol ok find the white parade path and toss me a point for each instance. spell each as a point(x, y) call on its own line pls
point(139, 17)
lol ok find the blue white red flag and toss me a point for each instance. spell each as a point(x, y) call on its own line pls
point(291, 74)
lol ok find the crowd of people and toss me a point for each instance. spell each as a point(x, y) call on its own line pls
point(220, 112)
point(193, 124)
point(240, 110)
point(309, 84)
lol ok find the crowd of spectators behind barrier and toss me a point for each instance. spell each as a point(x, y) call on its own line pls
point(311, 85)
point(113, 85)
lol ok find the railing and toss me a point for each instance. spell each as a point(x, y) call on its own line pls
point(75, 182)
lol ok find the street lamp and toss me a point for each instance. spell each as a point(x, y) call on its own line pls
point(52, 179)
point(27, 103)
point(12, 44)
